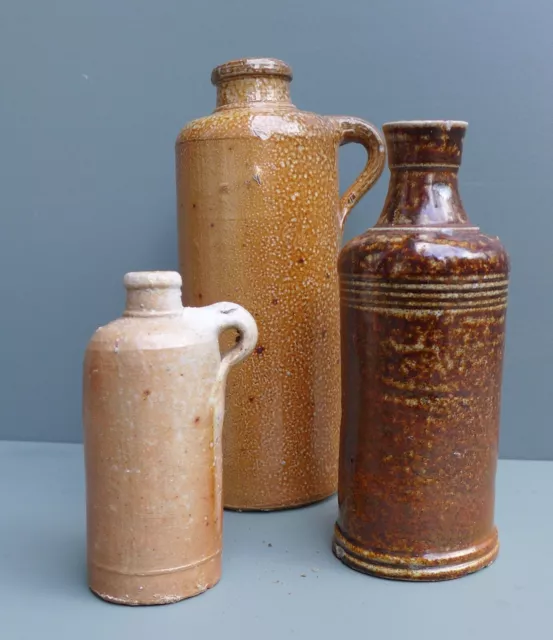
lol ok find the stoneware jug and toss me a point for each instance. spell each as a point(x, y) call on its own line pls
point(260, 220)
point(424, 297)
point(153, 409)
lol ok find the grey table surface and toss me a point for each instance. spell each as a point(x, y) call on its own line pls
point(280, 579)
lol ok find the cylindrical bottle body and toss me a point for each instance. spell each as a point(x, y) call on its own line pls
point(153, 465)
point(423, 326)
point(257, 192)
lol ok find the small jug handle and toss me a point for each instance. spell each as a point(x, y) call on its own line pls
point(233, 316)
point(356, 130)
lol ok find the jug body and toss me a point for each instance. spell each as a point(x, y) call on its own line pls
point(260, 219)
point(153, 404)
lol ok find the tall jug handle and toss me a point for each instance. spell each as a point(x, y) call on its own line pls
point(232, 316)
point(356, 130)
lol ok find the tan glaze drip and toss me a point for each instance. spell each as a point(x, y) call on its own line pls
point(423, 303)
point(260, 220)
point(153, 406)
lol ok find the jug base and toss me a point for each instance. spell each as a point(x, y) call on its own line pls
point(282, 506)
point(429, 568)
point(164, 587)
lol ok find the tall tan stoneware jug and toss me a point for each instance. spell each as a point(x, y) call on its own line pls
point(153, 409)
point(260, 221)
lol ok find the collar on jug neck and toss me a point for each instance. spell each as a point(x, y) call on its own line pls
point(153, 293)
point(252, 80)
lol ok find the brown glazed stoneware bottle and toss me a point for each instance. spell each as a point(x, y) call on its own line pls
point(153, 410)
point(260, 220)
point(423, 308)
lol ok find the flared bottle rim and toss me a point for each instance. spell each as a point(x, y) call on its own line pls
point(421, 124)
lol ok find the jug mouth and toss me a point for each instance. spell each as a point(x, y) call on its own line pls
point(251, 67)
point(152, 280)
point(424, 124)
point(152, 293)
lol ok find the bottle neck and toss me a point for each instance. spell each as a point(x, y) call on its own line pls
point(251, 90)
point(424, 159)
point(153, 293)
point(153, 302)
point(421, 197)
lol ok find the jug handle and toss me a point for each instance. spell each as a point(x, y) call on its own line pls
point(233, 316)
point(357, 130)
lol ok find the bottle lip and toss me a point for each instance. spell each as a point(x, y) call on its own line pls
point(152, 280)
point(424, 124)
point(251, 67)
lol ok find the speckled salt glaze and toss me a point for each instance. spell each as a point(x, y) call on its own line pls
point(424, 298)
point(260, 219)
point(153, 408)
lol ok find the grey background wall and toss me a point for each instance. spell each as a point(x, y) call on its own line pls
point(93, 93)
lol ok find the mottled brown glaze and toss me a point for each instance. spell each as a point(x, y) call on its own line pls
point(423, 303)
point(260, 221)
point(153, 404)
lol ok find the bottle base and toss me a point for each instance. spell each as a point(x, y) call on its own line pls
point(430, 568)
point(154, 588)
point(283, 506)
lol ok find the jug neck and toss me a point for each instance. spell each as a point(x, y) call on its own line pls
point(153, 293)
point(424, 159)
point(252, 81)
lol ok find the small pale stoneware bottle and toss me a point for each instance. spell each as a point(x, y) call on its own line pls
point(260, 221)
point(153, 405)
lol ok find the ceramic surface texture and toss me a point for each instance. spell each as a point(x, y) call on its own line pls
point(423, 304)
point(153, 408)
point(260, 220)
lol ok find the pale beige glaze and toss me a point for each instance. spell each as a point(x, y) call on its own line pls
point(153, 405)
point(260, 221)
